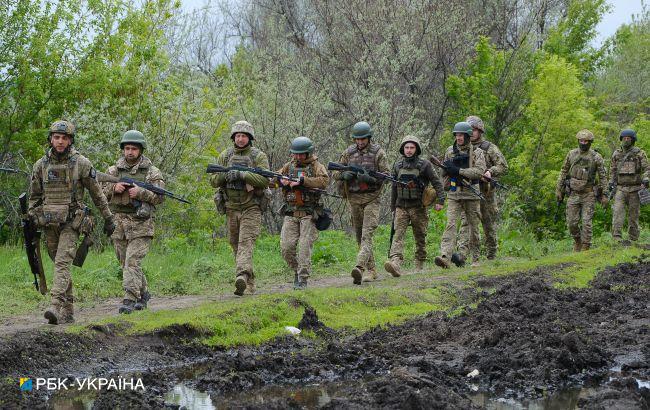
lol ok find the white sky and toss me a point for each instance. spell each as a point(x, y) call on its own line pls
point(622, 11)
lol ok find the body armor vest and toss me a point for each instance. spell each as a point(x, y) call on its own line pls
point(236, 191)
point(122, 203)
point(297, 198)
point(410, 174)
point(627, 168)
point(582, 172)
point(59, 189)
point(367, 160)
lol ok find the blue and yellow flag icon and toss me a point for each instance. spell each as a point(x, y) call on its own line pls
point(25, 384)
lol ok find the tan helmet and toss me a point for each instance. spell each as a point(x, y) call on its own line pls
point(585, 135)
point(475, 122)
point(415, 140)
point(62, 127)
point(243, 127)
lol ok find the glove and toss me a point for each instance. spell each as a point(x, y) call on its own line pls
point(347, 175)
point(234, 175)
point(366, 178)
point(109, 226)
point(452, 169)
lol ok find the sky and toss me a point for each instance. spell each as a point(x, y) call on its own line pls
point(621, 12)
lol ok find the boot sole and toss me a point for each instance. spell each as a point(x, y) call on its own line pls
point(51, 318)
point(441, 264)
point(356, 276)
point(391, 269)
point(240, 287)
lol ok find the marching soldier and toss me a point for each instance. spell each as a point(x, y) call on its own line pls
point(464, 165)
point(134, 209)
point(581, 167)
point(242, 195)
point(362, 192)
point(301, 207)
point(56, 204)
point(407, 203)
point(629, 172)
point(496, 166)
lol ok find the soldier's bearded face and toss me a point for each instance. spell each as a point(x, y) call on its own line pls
point(241, 140)
point(460, 138)
point(476, 134)
point(131, 152)
point(362, 142)
point(300, 157)
point(409, 149)
point(60, 142)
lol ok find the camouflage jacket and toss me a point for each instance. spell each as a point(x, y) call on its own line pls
point(628, 169)
point(380, 165)
point(495, 162)
point(427, 175)
point(471, 175)
point(580, 171)
point(315, 177)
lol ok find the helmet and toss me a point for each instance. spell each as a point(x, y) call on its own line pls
point(62, 127)
point(463, 128)
point(243, 127)
point(585, 135)
point(414, 140)
point(133, 137)
point(302, 145)
point(628, 133)
point(361, 130)
point(475, 122)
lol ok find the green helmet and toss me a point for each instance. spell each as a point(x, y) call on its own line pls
point(361, 130)
point(133, 137)
point(414, 140)
point(463, 128)
point(302, 145)
point(62, 127)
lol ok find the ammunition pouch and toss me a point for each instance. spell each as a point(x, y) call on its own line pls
point(82, 221)
point(56, 214)
point(143, 210)
point(322, 218)
point(578, 185)
point(220, 201)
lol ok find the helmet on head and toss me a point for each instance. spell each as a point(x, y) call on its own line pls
point(463, 128)
point(475, 122)
point(244, 127)
point(62, 127)
point(628, 133)
point(361, 130)
point(585, 135)
point(413, 139)
point(302, 145)
point(133, 137)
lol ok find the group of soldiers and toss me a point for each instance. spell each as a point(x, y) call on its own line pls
point(468, 176)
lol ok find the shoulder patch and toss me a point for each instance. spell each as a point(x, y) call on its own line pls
point(93, 173)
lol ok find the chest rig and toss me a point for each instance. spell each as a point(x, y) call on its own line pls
point(122, 203)
point(366, 159)
point(582, 172)
point(627, 168)
point(60, 185)
point(298, 198)
point(409, 172)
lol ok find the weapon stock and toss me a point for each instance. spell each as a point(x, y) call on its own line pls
point(32, 239)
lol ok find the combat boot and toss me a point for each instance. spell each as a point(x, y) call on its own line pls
point(577, 245)
point(357, 273)
point(128, 306)
point(302, 283)
point(491, 256)
point(250, 286)
point(141, 303)
point(295, 280)
point(53, 314)
point(458, 259)
point(66, 313)
point(419, 265)
point(442, 261)
point(369, 276)
point(240, 284)
point(392, 268)
point(586, 246)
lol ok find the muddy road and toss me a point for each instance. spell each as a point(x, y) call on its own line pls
point(525, 344)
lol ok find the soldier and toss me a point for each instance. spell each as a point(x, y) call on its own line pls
point(301, 208)
point(464, 165)
point(243, 194)
point(56, 205)
point(496, 166)
point(406, 203)
point(628, 173)
point(578, 176)
point(134, 209)
point(362, 192)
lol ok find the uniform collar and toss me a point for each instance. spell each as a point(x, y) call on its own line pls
point(143, 163)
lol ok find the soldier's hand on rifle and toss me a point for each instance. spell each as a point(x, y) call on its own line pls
point(119, 187)
point(133, 192)
point(234, 175)
point(559, 196)
point(364, 177)
point(438, 207)
point(284, 181)
point(452, 169)
point(487, 175)
point(109, 226)
point(347, 175)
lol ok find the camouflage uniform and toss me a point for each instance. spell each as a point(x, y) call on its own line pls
point(629, 170)
point(578, 173)
point(461, 201)
point(243, 197)
point(497, 165)
point(56, 204)
point(134, 222)
point(298, 228)
point(364, 203)
point(407, 205)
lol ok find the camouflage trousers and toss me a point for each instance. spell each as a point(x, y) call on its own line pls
point(365, 218)
point(244, 226)
point(489, 212)
point(629, 200)
point(418, 217)
point(61, 242)
point(457, 208)
point(130, 253)
point(580, 207)
point(296, 241)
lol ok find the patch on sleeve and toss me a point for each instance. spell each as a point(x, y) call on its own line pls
point(93, 173)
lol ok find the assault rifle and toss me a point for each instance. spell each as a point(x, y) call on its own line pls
point(214, 168)
point(435, 161)
point(86, 243)
point(334, 166)
point(102, 177)
point(392, 234)
point(32, 247)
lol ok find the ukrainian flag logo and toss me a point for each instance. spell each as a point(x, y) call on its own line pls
point(25, 384)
